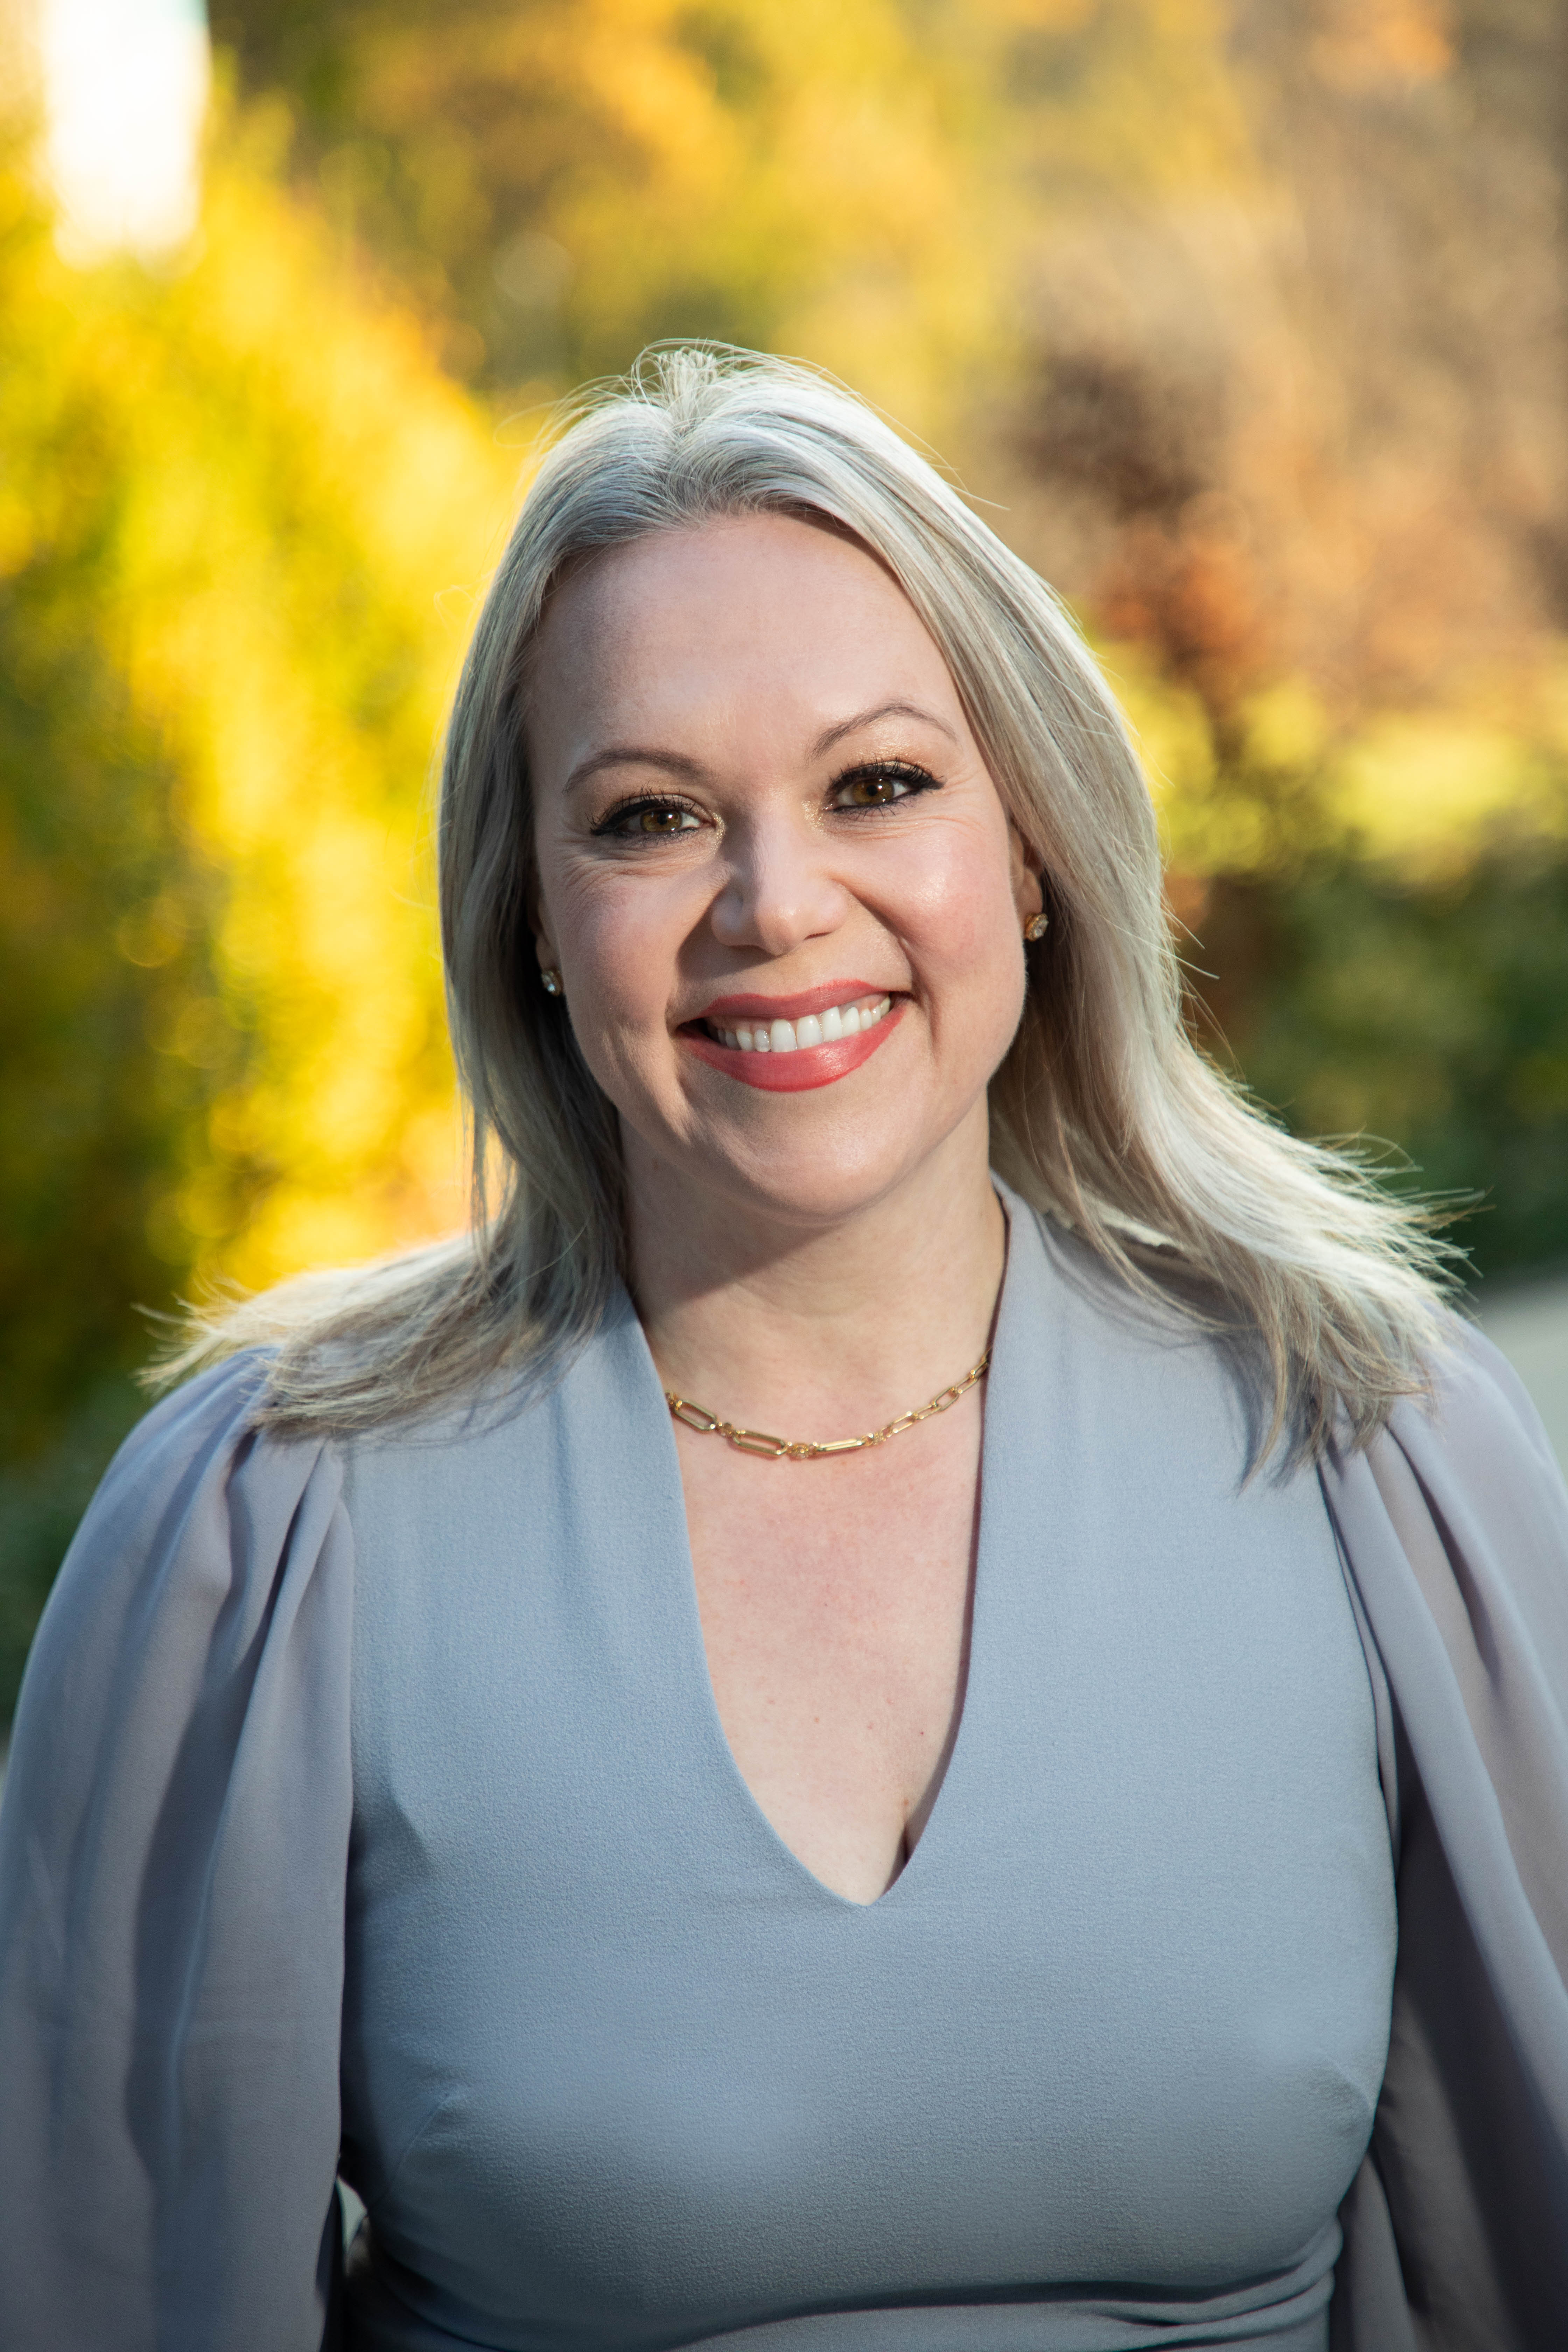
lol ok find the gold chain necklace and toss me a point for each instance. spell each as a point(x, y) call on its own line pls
point(811, 1449)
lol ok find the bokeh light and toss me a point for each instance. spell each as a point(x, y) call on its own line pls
point(125, 86)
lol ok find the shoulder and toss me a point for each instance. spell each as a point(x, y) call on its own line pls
point(213, 1415)
point(1125, 1315)
point(197, 1521)
point(1459, 1498)
point(1474, 1429)
point(1475, 1449)
point(1167, 1340)
point(1150, 1386)
point(208, 1590)
point(202, 1446)
point(503, 1464)
point(1479, 1419)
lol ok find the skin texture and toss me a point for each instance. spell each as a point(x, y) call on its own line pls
point(753, 775)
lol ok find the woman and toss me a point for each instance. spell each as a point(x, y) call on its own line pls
point(1017, 1858)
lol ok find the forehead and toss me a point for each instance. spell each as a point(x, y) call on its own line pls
point(761, 606)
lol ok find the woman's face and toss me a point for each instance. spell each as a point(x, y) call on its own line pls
point(776, 879)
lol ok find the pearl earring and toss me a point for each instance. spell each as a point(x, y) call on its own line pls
point(1036, 927)
point(551, 980)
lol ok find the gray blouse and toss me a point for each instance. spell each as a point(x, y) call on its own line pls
point(370, 1807)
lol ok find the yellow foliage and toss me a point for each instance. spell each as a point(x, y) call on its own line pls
point(1424, 792)
point(808, 176)
point(294, 482)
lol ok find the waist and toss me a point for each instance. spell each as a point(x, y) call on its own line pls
point(1287, 2313)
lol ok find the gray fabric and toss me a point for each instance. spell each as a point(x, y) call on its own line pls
point(619, 2071)
point(1456, 1525)
point(179, 1886)
point(172, 1876)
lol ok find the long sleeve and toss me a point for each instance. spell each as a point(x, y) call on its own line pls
point(172, 1857)
point(1455, 1524)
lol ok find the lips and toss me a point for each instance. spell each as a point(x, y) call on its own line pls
point(791, 1071)
point(726, 1012)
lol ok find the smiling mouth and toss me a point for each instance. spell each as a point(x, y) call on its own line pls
point(831, 1027)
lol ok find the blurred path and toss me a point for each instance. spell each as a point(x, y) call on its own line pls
point(1530, 1323)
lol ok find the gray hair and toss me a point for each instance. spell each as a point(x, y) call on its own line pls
point(1104, 1113)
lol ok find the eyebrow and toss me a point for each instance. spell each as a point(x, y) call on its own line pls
point(676, 763)
point(832, 735)
point(632, 755)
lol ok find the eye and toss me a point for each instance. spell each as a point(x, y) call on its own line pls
point(649, 819)
point(880, 784)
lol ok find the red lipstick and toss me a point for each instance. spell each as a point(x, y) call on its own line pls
point(808, 1065)
point(729, 1009)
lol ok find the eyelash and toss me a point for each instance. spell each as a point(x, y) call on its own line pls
point(605, 828)
point(893, 772)
point(908, 772)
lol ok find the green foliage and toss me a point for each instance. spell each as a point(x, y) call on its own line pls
point(1433, 1016)
point(102, 952)
point(111, 1037)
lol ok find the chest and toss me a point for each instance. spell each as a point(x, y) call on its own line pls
point(834, 1599)
point(615, 2060)
point(865, 1550)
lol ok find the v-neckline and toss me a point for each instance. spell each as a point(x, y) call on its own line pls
point(962, 1739)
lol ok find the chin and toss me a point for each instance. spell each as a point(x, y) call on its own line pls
point(811, 1157)
point(821, 1182)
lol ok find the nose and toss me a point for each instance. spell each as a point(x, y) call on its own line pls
point(778, 891)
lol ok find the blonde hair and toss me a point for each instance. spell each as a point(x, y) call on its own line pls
point(1104, 1114)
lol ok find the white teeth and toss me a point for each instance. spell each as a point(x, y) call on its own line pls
point(812, 1029)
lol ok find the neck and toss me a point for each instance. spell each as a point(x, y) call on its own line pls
point(803, 1327)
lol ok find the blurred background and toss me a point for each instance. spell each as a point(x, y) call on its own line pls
point(1246, 320)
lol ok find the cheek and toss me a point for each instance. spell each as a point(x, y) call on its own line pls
point(618, 937)
point(961, 914)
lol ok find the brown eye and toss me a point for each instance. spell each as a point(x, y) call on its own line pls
point(880, 785)
point(649, 819)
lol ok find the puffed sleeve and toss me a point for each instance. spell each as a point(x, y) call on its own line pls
point(173, 1850)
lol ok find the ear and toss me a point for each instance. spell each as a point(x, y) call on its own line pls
point(1028, 890)
point(538, 921)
